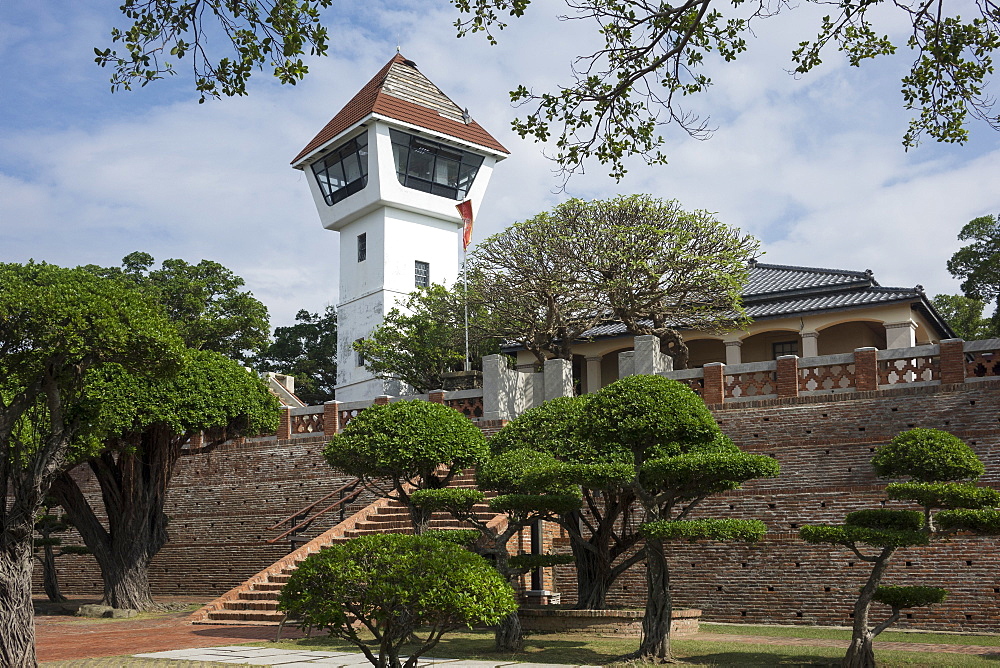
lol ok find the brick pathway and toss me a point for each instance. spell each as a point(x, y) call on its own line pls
point(63, 638)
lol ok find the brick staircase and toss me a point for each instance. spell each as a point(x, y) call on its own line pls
point(256, 600)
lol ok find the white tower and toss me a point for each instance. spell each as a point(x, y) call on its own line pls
point(386, 172)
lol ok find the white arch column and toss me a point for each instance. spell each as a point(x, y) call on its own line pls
point(900, 334)
point(810, 344)
point(734, 352)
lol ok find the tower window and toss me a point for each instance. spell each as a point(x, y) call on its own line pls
point(433, 167)
point(343, 171)
point(785, 348)
point(359, 357)
point(421, 274)
point(362, 247)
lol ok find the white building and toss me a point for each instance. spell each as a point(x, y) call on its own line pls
point(387, 173)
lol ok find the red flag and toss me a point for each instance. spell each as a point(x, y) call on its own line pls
point(465, 211)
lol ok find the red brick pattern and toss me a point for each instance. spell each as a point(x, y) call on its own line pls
point(952, 361)
point(866, 369)
point(714, 391)
point(788, 376)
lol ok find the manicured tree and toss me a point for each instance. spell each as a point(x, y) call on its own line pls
point(942, 471)
point(602, 534)
point(522, 505)
point(152, 422)
point(56, 327)
point(405, 446)
point(395, 585)
point(678, 458)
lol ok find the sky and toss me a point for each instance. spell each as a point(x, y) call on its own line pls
point(813, 165)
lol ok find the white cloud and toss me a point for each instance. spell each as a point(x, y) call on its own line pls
point(812, 166)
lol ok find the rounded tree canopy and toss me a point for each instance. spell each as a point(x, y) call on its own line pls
point(649, 416)
point(405, 439)
point(927, 455)
point(210, 393)
point(398, 582)
point(551, 427)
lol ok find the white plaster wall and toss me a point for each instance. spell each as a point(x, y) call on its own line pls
point(410, 237)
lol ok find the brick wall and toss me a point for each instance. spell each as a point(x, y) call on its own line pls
point(824, 446)
point(221, 502)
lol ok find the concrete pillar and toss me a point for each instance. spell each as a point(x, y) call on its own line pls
point(900, 334)
point(626, 364)
point(810, 344)
point(593, 373)
point(496, 391)
point(558, 378)
point(734, 352)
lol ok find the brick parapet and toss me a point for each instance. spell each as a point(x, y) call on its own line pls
point(952, 359)
point(866, 369)
point(714, 391)
point(788, 376)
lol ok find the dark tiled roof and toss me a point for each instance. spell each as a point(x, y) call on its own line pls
point(401, 92)
point(767, 279)
point(775, 291)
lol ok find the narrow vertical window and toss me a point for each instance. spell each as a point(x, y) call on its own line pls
point(358, 355)
point(421, 274)
point(362, 247)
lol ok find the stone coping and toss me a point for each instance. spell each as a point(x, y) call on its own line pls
point(550, 611)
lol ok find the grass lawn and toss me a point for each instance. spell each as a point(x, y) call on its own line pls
point(845, 634)
point(581, 649)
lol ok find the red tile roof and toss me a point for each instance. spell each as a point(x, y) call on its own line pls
point(374, 99)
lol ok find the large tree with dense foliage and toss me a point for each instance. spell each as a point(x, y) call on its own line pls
point(153, 421)
point(398, 587)
point(406, 446)
point(306, 350)
point(642, 261)
point(425, 339)
point(150, 422)
point(663, 443)
point(977, 264)
point(942, 471)
point(58, 327)
point(965, 316)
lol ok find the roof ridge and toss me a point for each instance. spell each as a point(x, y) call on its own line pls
point(814, 270)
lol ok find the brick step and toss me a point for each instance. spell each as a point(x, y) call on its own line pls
point(252, 605)
point(246, 616)
point(268, 586)
point(258, 596)
point(284, 577)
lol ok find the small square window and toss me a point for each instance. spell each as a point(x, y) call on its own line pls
point(359, 357)
point(421, 274)
point(362, 247)
point(785, 348)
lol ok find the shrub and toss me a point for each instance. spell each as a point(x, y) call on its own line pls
point(927, 455)
point(395, 584)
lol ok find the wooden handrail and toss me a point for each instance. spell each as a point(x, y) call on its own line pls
point(313, 504)
point(333, 506)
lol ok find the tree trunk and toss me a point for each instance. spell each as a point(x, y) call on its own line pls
point(655, 644)
point(133, 487)
point(592, 578)
point(508, 636)
point(17, 615)
point(50, 578)
point(861, 653)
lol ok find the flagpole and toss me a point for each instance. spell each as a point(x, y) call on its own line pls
point(465, 211)
point(465, 279)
